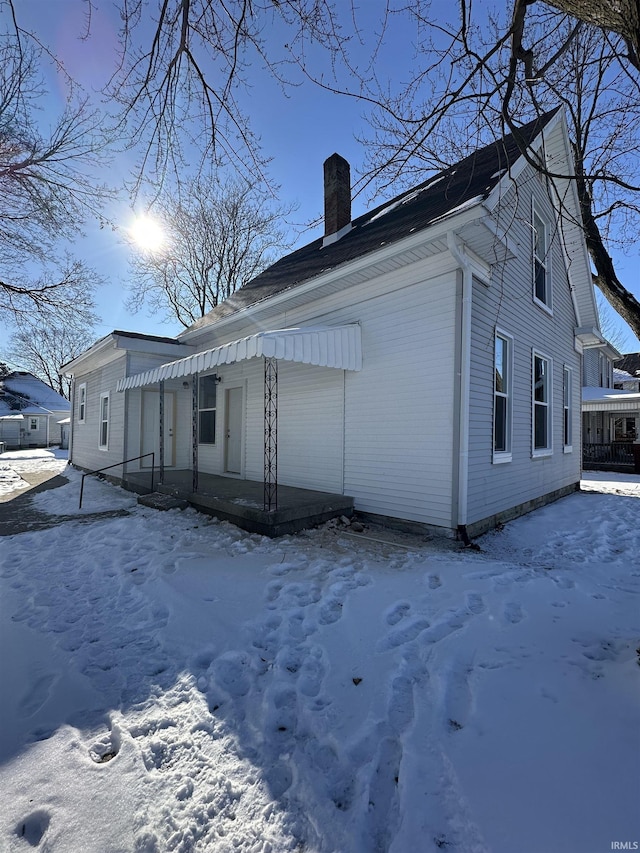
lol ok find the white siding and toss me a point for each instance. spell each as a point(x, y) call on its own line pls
point(86, 436)
point(383, 435)
point(508, 303)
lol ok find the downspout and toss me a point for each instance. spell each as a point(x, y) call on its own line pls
point(465, 383)
point(71, 415)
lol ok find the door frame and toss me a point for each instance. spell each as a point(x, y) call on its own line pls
point(239, 386)
point(169, 440)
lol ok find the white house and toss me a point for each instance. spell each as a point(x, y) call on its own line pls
point(423, 359)
point(30, 411)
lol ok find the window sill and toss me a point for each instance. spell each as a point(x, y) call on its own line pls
point(567, 449)
point(543, 305)
point(541, 454)
point(501, 458)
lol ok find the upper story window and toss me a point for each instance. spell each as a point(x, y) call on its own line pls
point(541, 405)
point(541, 261)
point(502, 397)
point(104, 422)
point(605, 370)
point(207, 386)
point(82, 402)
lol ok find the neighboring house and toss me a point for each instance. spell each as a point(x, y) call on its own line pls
point(624, 381)
point(424, 359)
point(610, 412)
point(30, 412)
point(630, 363)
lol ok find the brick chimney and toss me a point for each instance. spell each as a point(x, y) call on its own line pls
point(337, 198)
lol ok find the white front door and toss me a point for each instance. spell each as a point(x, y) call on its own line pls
point(233, 430)
point(151, 428)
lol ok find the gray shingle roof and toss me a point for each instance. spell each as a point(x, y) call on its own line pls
point(474, 177)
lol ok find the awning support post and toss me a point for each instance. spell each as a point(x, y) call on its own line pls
point(270, 434)
point(161, 434)
point(194, 433)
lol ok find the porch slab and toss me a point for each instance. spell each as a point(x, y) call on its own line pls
point(241, 502)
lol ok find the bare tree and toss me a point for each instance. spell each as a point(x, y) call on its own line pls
point(218, 238)
point(482, 89)
point(470, 72)
point(43, 350)
point(187, 67)
point(46, 191)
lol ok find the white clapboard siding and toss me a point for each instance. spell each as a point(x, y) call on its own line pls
point(399, 453)
point(508, 303)
point(86, 436)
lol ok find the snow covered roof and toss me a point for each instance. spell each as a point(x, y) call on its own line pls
point(609, 400)
point(23, 393)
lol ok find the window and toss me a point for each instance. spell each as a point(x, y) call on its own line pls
point(104, 421)
point(604, 368)
point(207, 409)
point(541, 405)
point(541, 277)
point(33, 423)
point(82, 402)
point(567, 408)
point(502, 398)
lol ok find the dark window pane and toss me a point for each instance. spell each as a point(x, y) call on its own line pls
point(207, 428)
point(540, 427)
point(541, 282)
point(567, 427)
point(500, 436)
point(207, 395)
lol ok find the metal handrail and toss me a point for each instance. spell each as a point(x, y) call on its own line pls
point(115, 465)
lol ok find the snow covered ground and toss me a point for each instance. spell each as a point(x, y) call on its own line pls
point(14, 463)
point(170, 683)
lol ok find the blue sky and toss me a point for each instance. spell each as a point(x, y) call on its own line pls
point(298, 132)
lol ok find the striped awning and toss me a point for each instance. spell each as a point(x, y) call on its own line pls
point(323, 346)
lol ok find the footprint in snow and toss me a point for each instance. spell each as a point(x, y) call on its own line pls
point(475, 603)
point(397, 612)
point(33, 827)
point(513, 613)
point(408, 631)
point(458, 699)
point(382, 817)
point(107, 747)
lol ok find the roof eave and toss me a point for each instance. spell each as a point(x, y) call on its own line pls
point(434, 231)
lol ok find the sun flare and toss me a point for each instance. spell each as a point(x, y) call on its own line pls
point(148, 234)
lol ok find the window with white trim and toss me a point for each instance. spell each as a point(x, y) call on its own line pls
point(541, 394)
point(33, 424)
point(82, 402)
point(207, 386)
point(567, 408)
point(103, 444)
point(502, 397)
point(541, 258)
